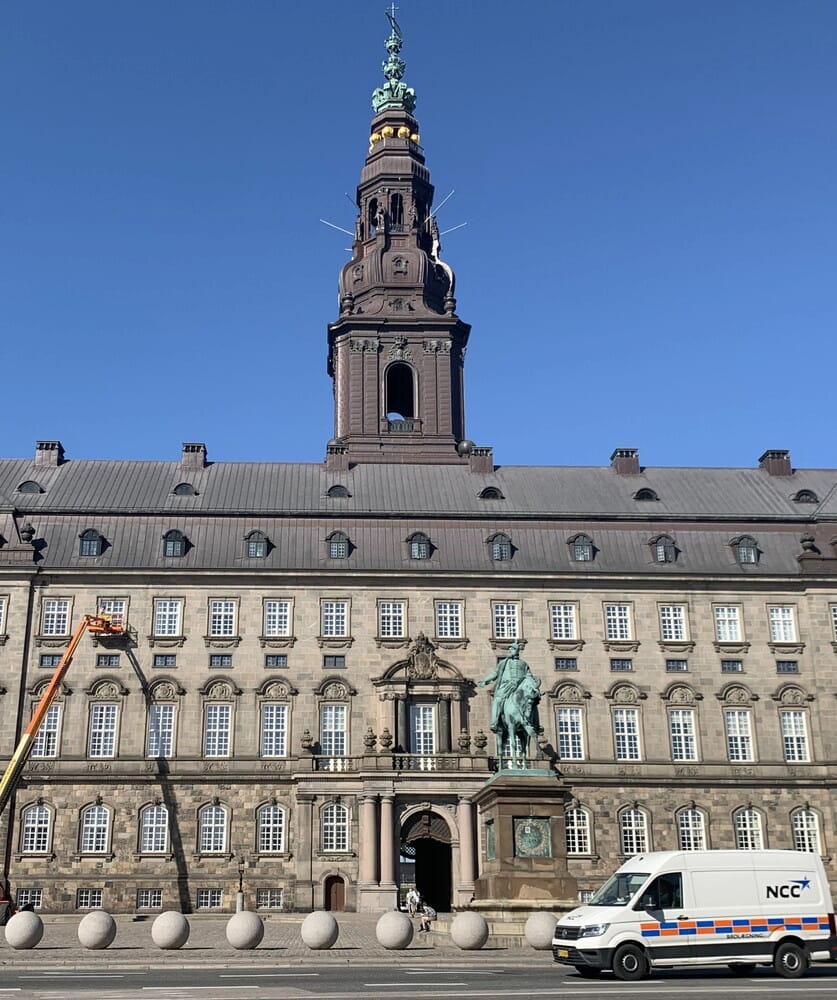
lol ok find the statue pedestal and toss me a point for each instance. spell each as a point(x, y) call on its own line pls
point(525, 844)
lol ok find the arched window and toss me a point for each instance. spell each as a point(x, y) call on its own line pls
point(174, 544)
point(95, 829)
point(334, 828)
point(665, 551)
point(185, 490)
point(748, 829)
point(338, 545)
point(419, 546)
point(577, 825)
point(491, 493)
point(581, 548)
point(645, 494)
point(400, 398)
point(212, 829)
point(338, 492)
point(154, 830)
point(691, 830)
point(806, 496)
point(805, 827)
point(90, 543)
point(36, 830)
point(30, 486)
point(501, 548)
point(396, 210)
point(747, 550)
point(271, 824)
point(633, 831)
point(372, 216)
point(256, 545)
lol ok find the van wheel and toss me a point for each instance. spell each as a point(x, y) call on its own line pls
point(741, 968)
point(790, 961)
point(588, 972)
point(630, 963)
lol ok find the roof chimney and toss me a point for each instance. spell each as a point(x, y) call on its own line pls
point(49, 453)
point(777, 462)
point(193, 455)
point(625, 461)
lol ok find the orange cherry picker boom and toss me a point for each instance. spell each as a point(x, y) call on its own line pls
point(96, 625)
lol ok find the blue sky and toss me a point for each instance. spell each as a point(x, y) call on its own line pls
point(649, 186)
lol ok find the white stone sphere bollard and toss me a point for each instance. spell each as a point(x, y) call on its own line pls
point(394, 930)
point(540, 929)
point(319, 930)
point(245, 930)
point(469, 931)
point(24, 930)
point(97, 930)
point(170, 930)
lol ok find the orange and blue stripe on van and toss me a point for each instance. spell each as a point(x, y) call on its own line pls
point(735, 925)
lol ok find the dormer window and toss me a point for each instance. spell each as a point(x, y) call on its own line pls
point(664, 549)
point(338, 492)
point(419, 546)
point(338, 545)
point(30, 486)
point(256, 545)
point(185, 490)
point(581, 548)
point(501, 548)
point(491, 493)
point(645, 494)
point(174, 544)
point(806, 496)
point(91, 543)
point(747, 550)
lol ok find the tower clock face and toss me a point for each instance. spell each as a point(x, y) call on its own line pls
point(532, 837)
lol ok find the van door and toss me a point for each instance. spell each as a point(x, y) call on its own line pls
point(666, 931)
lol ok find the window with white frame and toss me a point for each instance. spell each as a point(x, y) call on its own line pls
point(30, 897)
point(209, 899)
point(154, 830)
point(673, 623)
point(748, 829)
point(563, 621)
point(794, 735)
point(805, 827)
point(115, 608)
point(334, 828)
point(217, 718)
point(159, 737)
point(95, 829)
point(271, 824)
point(274, 734)
point(102, 738)
point(89, 899)
point(149, 899)
point(55, 619)
point(334, 618)
point(277, 618)
point(3, 615)
point(46, 739)
point(577, 827)
point(338, 546)
point(727, 623)
point(681, 728)
point(691, 830)
point(36, 830)
point(333, 730)
point(739, 734)
point(222, 615)
point(505, 620)
point(391, 619)
point(618, 622)
point(449, 620)
point(633, 831)
point(569, 726)
point(212, 830)
point(626, 733)
point(422, 729)
point(270, 899)
point(782, 624)
point(833, 622)
point(168, 617)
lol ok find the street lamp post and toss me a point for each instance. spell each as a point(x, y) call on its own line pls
point(239, 898)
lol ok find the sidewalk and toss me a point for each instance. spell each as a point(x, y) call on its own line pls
point(281, 945)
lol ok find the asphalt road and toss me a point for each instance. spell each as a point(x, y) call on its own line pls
point(373, 982)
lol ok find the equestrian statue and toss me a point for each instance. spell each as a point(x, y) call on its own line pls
point(514, 707)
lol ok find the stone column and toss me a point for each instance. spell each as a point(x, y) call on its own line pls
point(444, 724)
point(387, 841)
point(465, 816)
point(368, 847)
point(402, 731)
point(305, 860)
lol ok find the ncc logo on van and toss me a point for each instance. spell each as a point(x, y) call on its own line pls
point(790, 890)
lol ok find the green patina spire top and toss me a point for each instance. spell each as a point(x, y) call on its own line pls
point(394, 94)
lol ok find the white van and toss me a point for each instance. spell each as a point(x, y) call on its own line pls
point(735, 908)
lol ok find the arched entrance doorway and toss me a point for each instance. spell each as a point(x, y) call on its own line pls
point(334, 893)
point(426, 840)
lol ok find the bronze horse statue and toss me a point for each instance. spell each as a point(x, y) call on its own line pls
point(519, 719)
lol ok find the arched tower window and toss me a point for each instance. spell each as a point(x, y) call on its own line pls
point(372, 217)
point(396, 210)
point(400, 396)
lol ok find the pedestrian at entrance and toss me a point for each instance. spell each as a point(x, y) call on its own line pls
point(412, 902)
point(427, 914)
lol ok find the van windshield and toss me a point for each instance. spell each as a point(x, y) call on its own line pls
point(619, 889)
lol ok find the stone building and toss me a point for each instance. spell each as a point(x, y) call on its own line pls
point(297, 705)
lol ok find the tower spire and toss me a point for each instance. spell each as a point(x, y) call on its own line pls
point(394, 93)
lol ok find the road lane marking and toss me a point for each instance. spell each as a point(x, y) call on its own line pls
point(268, 975)
point(446, 985)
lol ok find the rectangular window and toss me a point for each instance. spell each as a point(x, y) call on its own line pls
point(49, 659)
point(277, 619)
point(222, 615)
point(333, 730)
point(331, 662)
point(563, 621)
point(88, 899)
point(216, 730)
point(168, 617)
point(107, 659)
point(165, 660)
point(213, 830)
point(673, 623)
point(732, 666)
point(159, 741)
point(782, 624)
point(794, 735)
point(727, 623)
point(677, 666)
point(449, 620)
point(626, 733)
point(2, 615)
point(269, 899)
point(391, 619)
point(504, 617)
point(115, 608)
point(787, 666)
point(149, 899)
point(739, 737)
point(274, 729)
point(209, 899)
point(422, 729)
point(618, 622)
point(566, 663)
point(95, 829)
point(102, 740)
point(834, 622)
point(46, 740)
point(56, 617)
point(624, 665)
point(220, 660)
point(276, 660)
point(570, 734)
point(335, 618)
point(30, 897)
point(681, 728)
